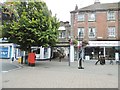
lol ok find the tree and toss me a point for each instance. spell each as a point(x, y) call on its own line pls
point(0, 31)
point(7, 15)
point(35, 26)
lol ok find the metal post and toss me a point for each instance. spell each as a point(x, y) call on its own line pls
point(69, 57)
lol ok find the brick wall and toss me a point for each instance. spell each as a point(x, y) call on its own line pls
point(101, 25)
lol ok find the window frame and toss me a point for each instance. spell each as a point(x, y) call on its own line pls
point(79, 30)
point(111, 15)
point(61, 34)
point(92, 28)
point(89, 16)
point(110, 33)
point(81, 17)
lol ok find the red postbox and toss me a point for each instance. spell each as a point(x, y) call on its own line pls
point(31, 58)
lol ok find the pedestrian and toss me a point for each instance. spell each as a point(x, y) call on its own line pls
point(102, 62)
point(117, 61)
point(111, 61)
point(99, 59)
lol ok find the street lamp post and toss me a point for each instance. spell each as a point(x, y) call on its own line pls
point(69, 40)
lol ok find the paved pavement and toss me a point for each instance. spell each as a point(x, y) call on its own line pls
point(8, 66)
point(57, 74)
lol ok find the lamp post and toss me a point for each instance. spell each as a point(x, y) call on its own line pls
point(69, 40)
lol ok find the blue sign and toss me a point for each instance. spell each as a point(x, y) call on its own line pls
point(4, 52)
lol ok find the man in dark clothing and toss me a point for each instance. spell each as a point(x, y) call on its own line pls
point(101, 60)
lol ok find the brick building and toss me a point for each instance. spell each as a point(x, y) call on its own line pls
point(98, 24)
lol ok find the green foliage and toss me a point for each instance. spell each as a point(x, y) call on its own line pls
point(34, 27)
point(75, 42)
point(0, 31)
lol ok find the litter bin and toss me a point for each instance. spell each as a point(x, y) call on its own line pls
point(19, 59)
point(22, 60)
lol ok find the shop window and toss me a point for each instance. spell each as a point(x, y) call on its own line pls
point(45, 52)
point(37, 50)
point(4, 51)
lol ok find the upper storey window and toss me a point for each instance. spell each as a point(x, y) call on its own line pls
point(92, 32)
point(111, 15)
point(111, 31)
point(81, 32)
point(81, 17)
point(62, 34)
point(92, 16)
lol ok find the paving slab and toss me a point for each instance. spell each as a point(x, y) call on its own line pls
point(55, 74)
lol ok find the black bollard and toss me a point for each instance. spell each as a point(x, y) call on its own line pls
point(12, 59)
point(22, 60)
point(26, 57)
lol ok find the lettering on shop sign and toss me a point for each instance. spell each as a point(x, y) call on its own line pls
point(103, 43)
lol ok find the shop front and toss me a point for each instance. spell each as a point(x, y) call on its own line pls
point(108, 49)
point(9, 51)
point(42, 53)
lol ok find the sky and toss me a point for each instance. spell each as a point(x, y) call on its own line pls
point(62, 8)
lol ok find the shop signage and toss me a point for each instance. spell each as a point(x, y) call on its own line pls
point(3, 52)
point(104, 43)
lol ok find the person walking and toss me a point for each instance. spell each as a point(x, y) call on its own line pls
point(111, 61)
point(99, 59)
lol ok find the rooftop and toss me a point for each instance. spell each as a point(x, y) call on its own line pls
point(98, 7)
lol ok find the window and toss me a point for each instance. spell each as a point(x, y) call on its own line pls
point(81, 17)
point(111, 15)
point(62, 34)
point(81, 32)
point(111, 32)
point(92, 32)
point(91, 17)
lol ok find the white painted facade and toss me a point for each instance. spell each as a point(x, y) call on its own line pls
point(71, 53)
point(42, 53)
point(9, 50)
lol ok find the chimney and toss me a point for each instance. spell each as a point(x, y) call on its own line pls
point(76, 7)
point(97, 2)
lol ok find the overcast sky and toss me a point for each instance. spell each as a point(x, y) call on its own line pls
point(63, 7)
